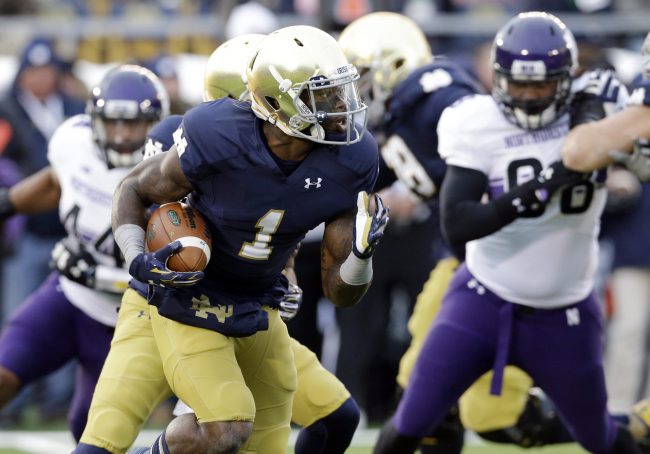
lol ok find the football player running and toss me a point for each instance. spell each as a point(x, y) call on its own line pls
point(73, 313)
point(541, 220)
point(322, 406)
point(262, 175)
point(409, 90)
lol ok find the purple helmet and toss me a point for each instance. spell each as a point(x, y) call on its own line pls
point(128, 93)
point(533, 47)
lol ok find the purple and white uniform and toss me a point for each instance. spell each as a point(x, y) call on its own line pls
point(64, 320)
point(523, 297)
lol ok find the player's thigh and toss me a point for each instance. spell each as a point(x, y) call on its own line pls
point(202, 370)
point(480, 411)
point(268, 367)
point(40, 336)
point(319, 392)
point(426, 308)
point(131, 383)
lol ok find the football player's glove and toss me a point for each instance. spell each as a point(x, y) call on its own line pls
point(530, 199)
point(368, 229)
point(585, 108)
point(151, 267)
point(637, 162)
point(6, 208)
point(72, 260)
point(598, 96)
point(290, 304)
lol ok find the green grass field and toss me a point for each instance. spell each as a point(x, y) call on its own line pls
point(568, 449)
point(61, 442)
point(497, 449)
point(488, 449)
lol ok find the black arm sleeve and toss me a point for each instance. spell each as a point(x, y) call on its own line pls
point(463, 216)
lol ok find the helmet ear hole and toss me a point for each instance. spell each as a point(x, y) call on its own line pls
point(273, 102)
point(399, 63)
point(298, 42)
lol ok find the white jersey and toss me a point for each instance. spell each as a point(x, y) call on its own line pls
point(87, 187)
point(547, 261)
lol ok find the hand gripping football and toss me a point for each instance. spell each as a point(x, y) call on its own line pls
point(180, 222)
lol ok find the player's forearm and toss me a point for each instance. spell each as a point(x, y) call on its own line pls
point(587, 146)
point(38, 193)
point(583, 149)
point(339, 292)
point(129, 207)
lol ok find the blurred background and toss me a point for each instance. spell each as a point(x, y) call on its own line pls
point(67, 46)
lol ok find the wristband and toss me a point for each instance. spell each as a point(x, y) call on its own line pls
point(130, 239)
point(6, 207)
point(356, 271)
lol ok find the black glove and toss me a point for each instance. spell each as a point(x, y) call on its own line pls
point(600, 88)
point(585, 108)
point(637, 162)
point(151, 267)
point(72, 260)
point(290, 304)
point(368, 228)
point(530, 199)
point(6, 208)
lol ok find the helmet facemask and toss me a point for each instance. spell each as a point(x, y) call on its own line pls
point(374, 95)
point(532, 112)
point(326, 110)
point(122, 140)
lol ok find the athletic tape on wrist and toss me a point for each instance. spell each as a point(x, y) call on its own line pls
point(356, 271)
point(130, 239)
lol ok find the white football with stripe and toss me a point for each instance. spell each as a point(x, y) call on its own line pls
point(180, 222)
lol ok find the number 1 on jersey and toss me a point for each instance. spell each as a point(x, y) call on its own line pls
point(260, 248)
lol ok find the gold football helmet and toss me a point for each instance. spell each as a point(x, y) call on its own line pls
point(300, 81)
point(386, 48)
point(225, 73)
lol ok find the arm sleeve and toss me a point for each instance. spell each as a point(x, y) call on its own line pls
point(463, 216)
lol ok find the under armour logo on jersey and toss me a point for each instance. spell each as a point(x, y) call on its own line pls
point(573, 316)
point(473, 284)
point(309, 183)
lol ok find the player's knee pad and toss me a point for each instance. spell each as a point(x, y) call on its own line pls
point(447, 438)
point(538, 425)
point(345, 418)
point(331, 434)
point(9, 386)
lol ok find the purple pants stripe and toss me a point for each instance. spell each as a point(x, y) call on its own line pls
point(561, 349)
point(45, 333)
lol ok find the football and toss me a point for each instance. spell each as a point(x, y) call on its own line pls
point(180, 222)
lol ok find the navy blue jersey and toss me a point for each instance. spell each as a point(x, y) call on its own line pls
point(160, 137)
point(256, 213)
point(640, 91)
point(411, 148)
